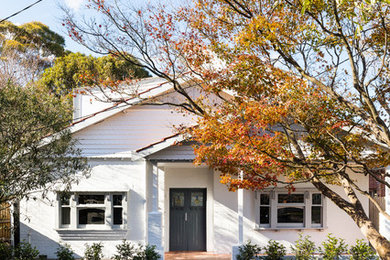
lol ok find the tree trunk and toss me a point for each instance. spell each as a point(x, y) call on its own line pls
point(379, 242)
point(357, 213)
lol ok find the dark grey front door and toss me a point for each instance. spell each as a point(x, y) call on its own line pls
point(187, 220)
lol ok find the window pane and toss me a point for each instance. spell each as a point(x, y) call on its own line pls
point(118, 216)
point(264, 199)
point(316, 214)
point(290, 215)
point(91, 199)
point(196, 199)
point(291, 198)
point(316, 199)
point(65, 199)
point(178, 199)
point(91, 216)
point(65, 216)
point(264, 215)
point(117, 200)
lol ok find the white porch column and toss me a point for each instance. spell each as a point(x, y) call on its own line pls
point(155, 230)
point(240, 215)
point(240, 210)
point(73, 212)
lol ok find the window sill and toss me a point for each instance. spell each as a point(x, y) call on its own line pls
point(289, 229)
point(89, 234)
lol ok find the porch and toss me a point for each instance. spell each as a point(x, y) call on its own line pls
point(190, 212)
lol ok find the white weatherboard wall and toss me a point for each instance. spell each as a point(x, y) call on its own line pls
point(94, 100)
point(130, 130)
point(39, 219)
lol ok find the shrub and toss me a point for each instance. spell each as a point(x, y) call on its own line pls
point(5, 251)
point(93, 252)
point(361, 250)
point(64, 252)
point(24, 251)
point(151, 253)
point(129, 251)
point(333, 248)
point(304, 248)
point(126, 251)
point(274, 250)
point(248, 251)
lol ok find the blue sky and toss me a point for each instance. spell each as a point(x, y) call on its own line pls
point(47, 12)
point(50, 13)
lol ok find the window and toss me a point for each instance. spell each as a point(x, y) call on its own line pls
point(118, 209)
point(301, 209)
point(92, 210)
point(65, 210)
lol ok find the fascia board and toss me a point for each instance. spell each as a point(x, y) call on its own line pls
point(160, 146)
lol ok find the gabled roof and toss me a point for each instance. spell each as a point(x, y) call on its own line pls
point(150, 88)
point(147, 89)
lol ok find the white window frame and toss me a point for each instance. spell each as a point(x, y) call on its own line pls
point(274, 205)
point(107, 206)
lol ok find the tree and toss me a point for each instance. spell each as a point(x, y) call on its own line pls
point(26, 50)
point(32, 36)
point(75, 70)
point(310, 83)
point(28, 115)
point(36, 154)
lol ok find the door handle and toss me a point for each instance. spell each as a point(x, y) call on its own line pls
point(185, 216)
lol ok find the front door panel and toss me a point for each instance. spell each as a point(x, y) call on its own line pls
point(187, 220)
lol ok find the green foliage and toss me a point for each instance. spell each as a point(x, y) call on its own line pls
point(93, 252)
point(130, 251)
point(361, 251)
point(304, 248)
point(64, 252)
point(5, 251)
point(274, 250)
point(26, 50)
point(32, 36)
point(24, 251)
point(76, 70)
point(40, 35)
point(125, 251)
point(151, 253)
point(333, 248)
point(27, 116)
point(248, 251)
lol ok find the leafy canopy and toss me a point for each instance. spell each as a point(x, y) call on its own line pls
point(31, 36)
point(26, 50)
point(28, 115)
point(76, 70)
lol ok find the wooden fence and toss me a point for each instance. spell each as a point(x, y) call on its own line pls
point(374, 212)
point(5, 222)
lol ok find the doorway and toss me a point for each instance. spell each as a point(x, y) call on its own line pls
point(187, 221)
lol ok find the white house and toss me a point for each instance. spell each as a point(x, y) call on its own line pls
point(143, 187)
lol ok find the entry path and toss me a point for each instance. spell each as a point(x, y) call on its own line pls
point(195, 255)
